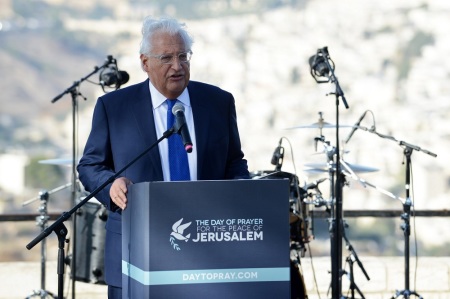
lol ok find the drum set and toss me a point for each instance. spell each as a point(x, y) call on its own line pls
point(304, 198)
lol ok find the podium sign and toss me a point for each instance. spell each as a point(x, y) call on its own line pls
point(206, 239)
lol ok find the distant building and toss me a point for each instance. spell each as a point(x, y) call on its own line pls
point(12, 172)
point(6, 10)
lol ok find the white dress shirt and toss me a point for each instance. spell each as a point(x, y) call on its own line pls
point(160, 117)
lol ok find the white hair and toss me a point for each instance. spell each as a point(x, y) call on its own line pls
point(168, 25)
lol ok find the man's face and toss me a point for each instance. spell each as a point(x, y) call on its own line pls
point(169, 79)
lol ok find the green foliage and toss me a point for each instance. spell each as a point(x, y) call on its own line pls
point(413, 49)
point(42, 175)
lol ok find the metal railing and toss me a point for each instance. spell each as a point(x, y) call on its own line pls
point(314, 213)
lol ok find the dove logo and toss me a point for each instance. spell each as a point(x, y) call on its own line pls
point(178, 233)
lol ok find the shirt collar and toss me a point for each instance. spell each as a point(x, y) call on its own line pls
point(158, 99)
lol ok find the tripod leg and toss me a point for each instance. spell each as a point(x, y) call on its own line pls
point(351, 276)
point(41, 221)
point(41, 294)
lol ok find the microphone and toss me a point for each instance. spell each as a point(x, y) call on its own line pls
point(112, 76)
point(318, 65)
point(180, 126)
point(355, 127)
point(313, 185)
point(277, 157)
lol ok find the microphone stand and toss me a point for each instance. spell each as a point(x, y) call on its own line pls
point(73, 90)
point(408, 149)
point(60, 229)
point(336, 224)
point(406, 223)
point(109, 60)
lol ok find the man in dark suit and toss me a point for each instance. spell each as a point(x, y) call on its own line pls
point(129, 120)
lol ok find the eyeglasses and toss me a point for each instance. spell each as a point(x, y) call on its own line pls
point(184, 57)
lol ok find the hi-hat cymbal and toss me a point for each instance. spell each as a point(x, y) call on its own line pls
point(324, 167)
point(324, 152)
point(64, 162)
point(319, 125)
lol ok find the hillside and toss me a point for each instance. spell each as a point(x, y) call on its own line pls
point(390, 59)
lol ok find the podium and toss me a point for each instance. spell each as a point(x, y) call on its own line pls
point(206, 239)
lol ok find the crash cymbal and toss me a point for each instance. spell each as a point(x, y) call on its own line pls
point(323, 167)
point(319, 125)
point(64, 162)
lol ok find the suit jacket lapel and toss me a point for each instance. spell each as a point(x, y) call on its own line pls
point(143, 113)
point(201, 116)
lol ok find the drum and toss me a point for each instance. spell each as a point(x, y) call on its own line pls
point(298, 209)
point(295, 201)
point(90, 242)
point(298, 289)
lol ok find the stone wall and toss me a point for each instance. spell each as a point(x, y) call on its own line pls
point(386, 275)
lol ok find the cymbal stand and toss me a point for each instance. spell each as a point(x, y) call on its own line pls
point(335, 221)
point(341, 225)
point(351, 258)
point(330, 152)
point(41, 221)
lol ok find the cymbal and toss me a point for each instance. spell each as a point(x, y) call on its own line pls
point(320, 125)
point(324, 152)
point(323, 167)
point(64, 162)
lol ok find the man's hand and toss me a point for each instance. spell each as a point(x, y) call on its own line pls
point(118, 192)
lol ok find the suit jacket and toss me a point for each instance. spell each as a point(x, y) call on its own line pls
point(123, 127)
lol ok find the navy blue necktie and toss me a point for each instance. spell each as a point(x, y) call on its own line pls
point(178, 160)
